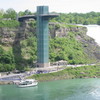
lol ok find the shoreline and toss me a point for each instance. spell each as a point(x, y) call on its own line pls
point(67, 73)
point(6, 82)
point(12, 83)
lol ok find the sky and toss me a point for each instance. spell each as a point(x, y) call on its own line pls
point(65, 6)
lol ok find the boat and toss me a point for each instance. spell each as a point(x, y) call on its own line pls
point(27, 83)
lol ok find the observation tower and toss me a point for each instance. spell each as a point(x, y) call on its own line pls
point(42, 17)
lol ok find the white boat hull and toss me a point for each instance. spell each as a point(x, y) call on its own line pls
point(27, 83)
point(30, 85)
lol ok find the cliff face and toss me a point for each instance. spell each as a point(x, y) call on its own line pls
point(60, 30)
point(91, 48)
point(9, 35)
point(13, 36)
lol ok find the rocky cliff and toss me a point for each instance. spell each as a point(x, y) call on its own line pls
point(14, 37)
point(91, 48)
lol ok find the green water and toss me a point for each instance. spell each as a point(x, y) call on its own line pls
point(75, 89)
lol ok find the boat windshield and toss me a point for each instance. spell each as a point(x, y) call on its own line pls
point(26, 83)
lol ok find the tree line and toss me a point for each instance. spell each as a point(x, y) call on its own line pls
point(70, 18)
point(12, 14)
point(80, 18)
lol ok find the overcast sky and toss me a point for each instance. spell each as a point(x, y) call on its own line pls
point(65, 6)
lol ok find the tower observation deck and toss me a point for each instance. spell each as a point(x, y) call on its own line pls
point(42, 19)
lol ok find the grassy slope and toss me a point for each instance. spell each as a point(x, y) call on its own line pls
point(70, 73)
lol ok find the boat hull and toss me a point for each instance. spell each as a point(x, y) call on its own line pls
point(30, 85)
point(27, 83)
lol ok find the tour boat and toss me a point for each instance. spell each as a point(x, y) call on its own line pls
point(27, 83)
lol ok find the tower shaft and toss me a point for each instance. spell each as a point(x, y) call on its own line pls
point(42, 37)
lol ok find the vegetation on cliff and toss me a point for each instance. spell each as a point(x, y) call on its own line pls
point(68, 49)
point(9, 23)
point(7, 62)
point(21, 52)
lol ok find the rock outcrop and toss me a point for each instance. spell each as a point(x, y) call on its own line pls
point(10, 36)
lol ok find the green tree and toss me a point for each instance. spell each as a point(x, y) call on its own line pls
point(10, 13)
point(27, 12)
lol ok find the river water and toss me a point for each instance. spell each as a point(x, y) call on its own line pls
point(74, 89)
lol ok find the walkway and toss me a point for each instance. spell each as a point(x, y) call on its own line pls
point(17, 77)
